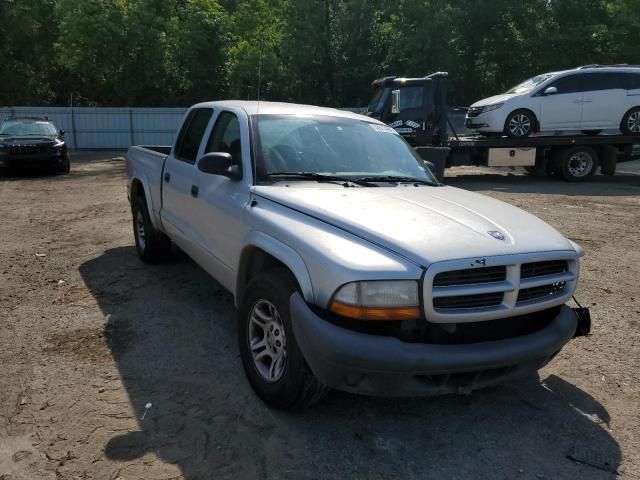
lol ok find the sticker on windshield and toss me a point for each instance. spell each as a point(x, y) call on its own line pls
point(382, 128)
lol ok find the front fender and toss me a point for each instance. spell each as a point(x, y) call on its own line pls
point(280, 251)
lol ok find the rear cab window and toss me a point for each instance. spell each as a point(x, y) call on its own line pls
point(191, 133)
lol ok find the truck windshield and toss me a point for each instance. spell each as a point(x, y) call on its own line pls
point(377, 101)
point(27, 128)
point(341, 147)
point(530, 84)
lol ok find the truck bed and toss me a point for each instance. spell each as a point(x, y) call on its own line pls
point(148, 162)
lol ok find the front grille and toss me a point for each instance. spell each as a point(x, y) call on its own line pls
point(474, 112)
point(470, 276)
point(506, 286)
point(543, 291)
point(468, 301)
point(27, 149)
point(540, 269)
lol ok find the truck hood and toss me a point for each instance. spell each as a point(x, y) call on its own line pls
point(424, 224)
point(495, 99)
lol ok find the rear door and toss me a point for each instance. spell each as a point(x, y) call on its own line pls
point(177, 201)
point(604, 100)
point(561, 110)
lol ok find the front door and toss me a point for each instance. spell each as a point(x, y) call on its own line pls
point(561, 110)
point(217, 216)
point(409, 118)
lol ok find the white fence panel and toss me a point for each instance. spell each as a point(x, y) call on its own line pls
point(117, 128)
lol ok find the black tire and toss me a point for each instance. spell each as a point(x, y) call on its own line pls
point(295, 386)
point(577, 164)
point(630, 124)
point(520, 124)
point(65, 166)
point(591, 133)
point(152, 246)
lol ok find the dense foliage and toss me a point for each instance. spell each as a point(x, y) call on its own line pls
point(177, 52)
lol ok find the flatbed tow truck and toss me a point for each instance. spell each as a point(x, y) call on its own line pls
point(417, 108)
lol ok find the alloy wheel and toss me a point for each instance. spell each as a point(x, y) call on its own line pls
point(633, 122)
point(267, 341)
point(519, 125)
point(140, 230)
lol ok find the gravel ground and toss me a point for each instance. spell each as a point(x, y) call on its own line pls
point(89, 335)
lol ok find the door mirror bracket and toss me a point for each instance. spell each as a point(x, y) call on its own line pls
point(219, 163)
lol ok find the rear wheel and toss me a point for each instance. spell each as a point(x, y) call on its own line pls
point(519, 124)
point(271, 357)
point(630, 124)
point(578, 163)
point(152, 246)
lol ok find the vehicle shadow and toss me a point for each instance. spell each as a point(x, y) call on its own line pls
point(86, 167)
point(619, 185)
point(171, 330)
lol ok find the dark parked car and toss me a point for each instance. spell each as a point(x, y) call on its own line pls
point(33, 142)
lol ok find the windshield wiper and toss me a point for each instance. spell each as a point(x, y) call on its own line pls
point(321, 177)
point(396, 179)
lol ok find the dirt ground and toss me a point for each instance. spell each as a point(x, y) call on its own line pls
point(89, 335)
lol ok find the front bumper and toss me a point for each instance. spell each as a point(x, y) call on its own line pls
point(39, 160)
point(386, 366)
point(492, 121)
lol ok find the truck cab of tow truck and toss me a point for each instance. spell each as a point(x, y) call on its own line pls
point(415, 107)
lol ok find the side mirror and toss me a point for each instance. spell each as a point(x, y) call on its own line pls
point(550, 91)
point(219, 163)
point(395, 101)
point(61, 133)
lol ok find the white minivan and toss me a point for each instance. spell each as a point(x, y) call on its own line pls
point(590, 99)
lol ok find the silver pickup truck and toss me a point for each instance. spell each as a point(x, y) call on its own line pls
point(351, 266)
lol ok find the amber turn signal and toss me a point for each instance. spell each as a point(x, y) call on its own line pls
point(375, 313)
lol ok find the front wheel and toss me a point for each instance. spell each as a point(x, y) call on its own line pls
point(271, 357)
point(519, 124)
point(65, 165)
point(630, 124)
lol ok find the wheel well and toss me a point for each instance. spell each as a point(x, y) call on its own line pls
point(536, 122)
point(137, 189)
point(254, 261)
point(637, 107)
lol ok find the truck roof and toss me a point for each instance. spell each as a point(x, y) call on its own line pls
point(251, 108)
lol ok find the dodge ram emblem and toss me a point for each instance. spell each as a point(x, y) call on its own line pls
point(498, 235)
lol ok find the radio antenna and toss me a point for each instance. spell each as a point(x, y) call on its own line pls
point(259, 76)
point(255, 173)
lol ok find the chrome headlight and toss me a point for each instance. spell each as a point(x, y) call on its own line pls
point(489, 108)
point(378, 300)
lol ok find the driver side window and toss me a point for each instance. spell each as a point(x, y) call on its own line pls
point(225, 137)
